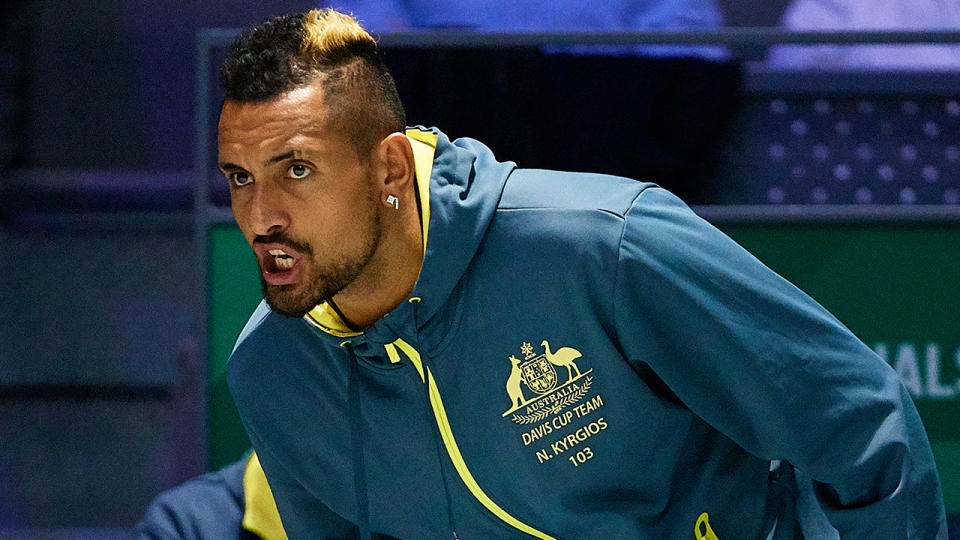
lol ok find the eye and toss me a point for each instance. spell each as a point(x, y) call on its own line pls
point(240, 178)
point(299, 171)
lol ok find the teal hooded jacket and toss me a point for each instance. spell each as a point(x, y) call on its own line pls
point(581, 357)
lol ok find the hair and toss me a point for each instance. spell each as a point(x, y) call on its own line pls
point(286, 52)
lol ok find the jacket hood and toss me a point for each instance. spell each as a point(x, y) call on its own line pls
point(457, 202)
point(465, 188)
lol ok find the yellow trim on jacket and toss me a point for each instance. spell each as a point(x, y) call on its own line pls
point(260, 515)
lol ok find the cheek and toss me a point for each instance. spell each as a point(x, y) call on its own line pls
point(241, 216)
point(238, 215)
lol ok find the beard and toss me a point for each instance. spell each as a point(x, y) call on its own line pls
point(321, 281)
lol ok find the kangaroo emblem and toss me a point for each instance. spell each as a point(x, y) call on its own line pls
point(513, 383)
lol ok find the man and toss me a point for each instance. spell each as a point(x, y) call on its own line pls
point(451, 346)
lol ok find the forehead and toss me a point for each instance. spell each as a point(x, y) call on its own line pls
point(305, 119)
point(300, 105)
point(298, 118)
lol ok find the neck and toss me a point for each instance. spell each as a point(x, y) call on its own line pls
point(391, 273)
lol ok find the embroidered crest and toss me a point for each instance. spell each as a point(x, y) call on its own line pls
point(537, 374)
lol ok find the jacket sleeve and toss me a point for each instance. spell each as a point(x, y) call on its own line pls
point(768, 367)
point(302, 514)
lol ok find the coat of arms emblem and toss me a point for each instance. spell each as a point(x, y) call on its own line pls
point(538, 374)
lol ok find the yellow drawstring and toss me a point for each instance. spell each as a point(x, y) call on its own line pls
point(707, 533)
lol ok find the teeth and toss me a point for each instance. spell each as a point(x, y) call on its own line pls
point(281, 258)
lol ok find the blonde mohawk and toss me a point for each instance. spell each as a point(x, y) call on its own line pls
point(324, 46)
point(327, 32)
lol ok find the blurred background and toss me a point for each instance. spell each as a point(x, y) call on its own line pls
point(836, 161)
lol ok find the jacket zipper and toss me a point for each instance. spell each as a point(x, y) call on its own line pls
point(443, 470)
point(446, 434)
point(356, 445)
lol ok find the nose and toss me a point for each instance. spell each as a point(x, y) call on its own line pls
point(267, 212)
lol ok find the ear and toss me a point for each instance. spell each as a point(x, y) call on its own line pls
point(398, 169)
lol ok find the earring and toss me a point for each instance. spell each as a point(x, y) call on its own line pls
point(394, 200)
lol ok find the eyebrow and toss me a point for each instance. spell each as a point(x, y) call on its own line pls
point(278, 158)
point(275, 159)
point(228, 167)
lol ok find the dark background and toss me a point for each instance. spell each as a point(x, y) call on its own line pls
point(102, 386)
point(110, 83)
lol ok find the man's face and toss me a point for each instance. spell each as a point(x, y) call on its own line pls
point(307, 204)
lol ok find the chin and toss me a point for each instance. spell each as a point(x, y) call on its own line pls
point(284, 300)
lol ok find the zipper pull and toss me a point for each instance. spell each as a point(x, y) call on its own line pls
point(455, 537)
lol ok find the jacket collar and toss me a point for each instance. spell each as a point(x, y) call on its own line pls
point(458, 186)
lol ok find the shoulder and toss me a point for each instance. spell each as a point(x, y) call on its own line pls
point(269, 359)
point(250, 343)
point(208, 506)
point(659, 226)
point(539, 189)
point(264, 335)
point(590, 207)
point(255, 321)
point(564, 216)
point(261, 335)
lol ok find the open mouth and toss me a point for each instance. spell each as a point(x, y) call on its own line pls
point(279, 265)
point(281, 261)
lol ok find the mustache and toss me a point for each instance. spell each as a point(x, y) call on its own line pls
point(283, 238)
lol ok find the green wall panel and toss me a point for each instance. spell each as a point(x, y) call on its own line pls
point(897, 287)
point(233, 293)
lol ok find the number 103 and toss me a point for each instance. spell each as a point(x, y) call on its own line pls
point(581, 457)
